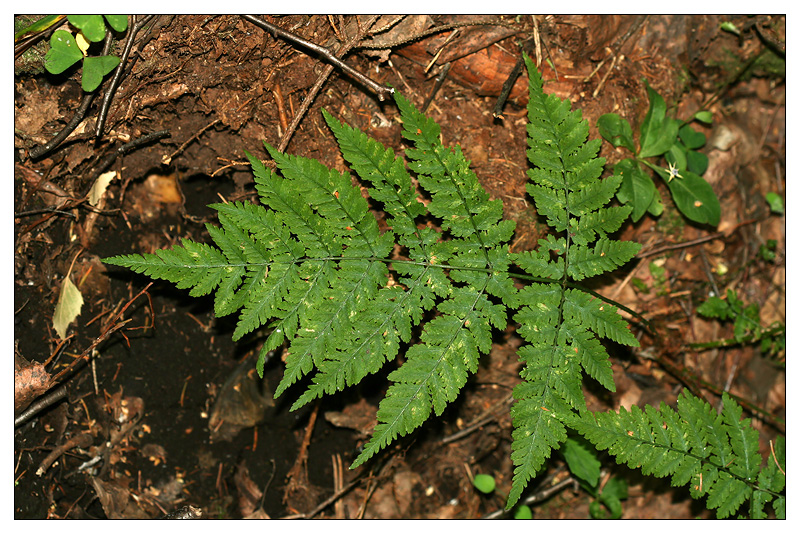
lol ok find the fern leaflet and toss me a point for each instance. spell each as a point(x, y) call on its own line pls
point(715, 454)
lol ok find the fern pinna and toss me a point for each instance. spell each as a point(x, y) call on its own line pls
point(716, 454)
point(311, 264)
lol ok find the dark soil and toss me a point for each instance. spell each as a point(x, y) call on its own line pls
point(168, 411)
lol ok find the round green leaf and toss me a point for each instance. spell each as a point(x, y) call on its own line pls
point(523, 512)
point(484, 483)
point(91, 26)
point(63, 53)
point(94, 69)
point(694, 197)
point(118, 22)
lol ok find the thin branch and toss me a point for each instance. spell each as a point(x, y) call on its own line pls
point(381, 91)
point(109, 95)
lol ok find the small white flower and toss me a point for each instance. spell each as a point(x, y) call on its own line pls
point(673, 172)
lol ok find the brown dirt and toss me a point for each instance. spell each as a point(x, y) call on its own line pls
point(220, 86)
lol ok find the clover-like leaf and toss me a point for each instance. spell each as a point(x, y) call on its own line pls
point(91, 26)
point(63, 53)
point(691, 138)
point(94, 69)
point(118, 22)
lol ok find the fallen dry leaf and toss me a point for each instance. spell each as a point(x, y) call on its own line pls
point(30, 381)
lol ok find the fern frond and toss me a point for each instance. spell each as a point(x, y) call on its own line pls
point(565, 323)
point(311, 264)
point(718, 457)
point(437, 368)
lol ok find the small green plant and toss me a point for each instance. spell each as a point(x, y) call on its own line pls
point(767, 251)
point(486, 485)
point(311, 264)
point(584, 465)
point(747, 327)
point(677, 142)
point(67, 49)
point(775, 203)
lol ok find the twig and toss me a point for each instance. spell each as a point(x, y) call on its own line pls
point(112, 88)
point(381, 91)
point(127, 147)
point(312, 93)
point(438, 85)
point(80, 441)
point(539, 496)
point(188, 141)
point(432, 31)
point(507, 86)
point(483, 419)
point(302, 456)
point(694, 382)
point(112, 327)
point(333, 498)
point(41, 150)
point(40, 404)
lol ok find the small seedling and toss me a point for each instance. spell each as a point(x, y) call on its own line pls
point(775, 203)
point(677, 142)
point(484, 483)
point(747, 327)
point(67, 49)
point(582, 462)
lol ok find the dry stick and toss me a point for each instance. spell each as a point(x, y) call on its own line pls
point(41, 150)
point(101, 120)
point(188, 141)
point(486, 417)
point(432, 31)
point(346, 47)
point(438, 85)
point(537, 497)
point(381, 91)
point(302, 455)
point(127, 147)
point(40, 404)
point(330, 500)
point(80, 441)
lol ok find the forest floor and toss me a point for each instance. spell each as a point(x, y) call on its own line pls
point(161, 410)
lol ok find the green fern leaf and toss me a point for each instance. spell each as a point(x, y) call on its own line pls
point(437, 368)
point(311, 265)
point(562, 325)
point(717, 457)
